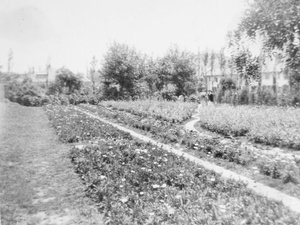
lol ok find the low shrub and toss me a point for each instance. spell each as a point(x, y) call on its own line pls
point(25, 93)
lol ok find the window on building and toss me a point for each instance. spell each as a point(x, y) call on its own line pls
point(278, 76)
point(267, 76)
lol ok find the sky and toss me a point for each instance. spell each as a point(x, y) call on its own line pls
point(70, 32)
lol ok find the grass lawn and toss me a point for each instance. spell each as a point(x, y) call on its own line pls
point(37, 182)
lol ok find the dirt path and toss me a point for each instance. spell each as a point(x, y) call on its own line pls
point(261, 189)
point(37, 182)
point(192, 126)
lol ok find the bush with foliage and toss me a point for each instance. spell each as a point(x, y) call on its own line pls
point(65, 82)
point(25, 93)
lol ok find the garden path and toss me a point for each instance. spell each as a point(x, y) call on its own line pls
point(291, 202)
point(274, 151)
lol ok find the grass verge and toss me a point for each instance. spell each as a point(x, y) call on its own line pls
point(38, 184)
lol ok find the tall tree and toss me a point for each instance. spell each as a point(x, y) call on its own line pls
point(152, 76)
point(92, 72)
point(212, 62)
point(247, 67)
point(222, 61)
point(10, 57)
point(278, 22)
point(178, 68)
point(122, 69)
point(48, 68)
point(205, 59)
point(67, 81)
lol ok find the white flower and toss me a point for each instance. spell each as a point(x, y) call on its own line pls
point(170, 209)
point(102, 177)
point(155, 186)
point(124, 199)
point(222, 208)
point(178, 196)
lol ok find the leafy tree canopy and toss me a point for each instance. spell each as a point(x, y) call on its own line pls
point(278, 21)
point(122, 67)
point(227, 83)
point(178, 68)
point(66, 79)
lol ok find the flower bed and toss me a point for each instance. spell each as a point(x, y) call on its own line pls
point(284, 167)
point(137, 183)
point(166, 110)
point(74, 126)
point(270, 125)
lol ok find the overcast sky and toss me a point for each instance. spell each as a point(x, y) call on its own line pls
point(70, 32)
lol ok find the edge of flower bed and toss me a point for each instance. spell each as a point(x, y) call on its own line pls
point(289, 201)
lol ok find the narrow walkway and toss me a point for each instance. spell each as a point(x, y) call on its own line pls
point(190, 126)
point(291, 202)
point(38, 184)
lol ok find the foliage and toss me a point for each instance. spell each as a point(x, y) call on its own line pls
point(177, 67)
point(247, 66)
point(263, 95)
point(92, 73)
point(278, 22)
point(66, 81)
point(25, 93)
point(75, 126)
point(222, 61)
point(170, 111)
point(122, 69)
point(271, 125)
point(73, 99)
point(243, 97)
point(207, 147)
point(154, 80)
point(227, 83)
point(137, 183)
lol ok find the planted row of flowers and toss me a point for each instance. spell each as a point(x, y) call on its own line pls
point(277, 126)
point(284, 167)
point(138, 183)
point(74, 126)
point(163, 110)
